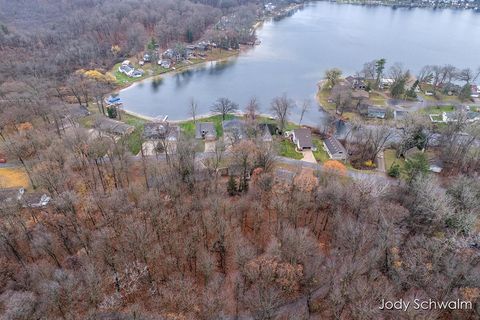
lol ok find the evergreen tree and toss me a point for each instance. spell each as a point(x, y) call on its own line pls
point(232, 186)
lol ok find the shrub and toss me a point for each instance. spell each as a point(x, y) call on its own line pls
point(394, 170)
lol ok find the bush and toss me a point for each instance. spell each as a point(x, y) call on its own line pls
point(394, 170)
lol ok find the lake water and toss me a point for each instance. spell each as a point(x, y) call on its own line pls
point(295, 51)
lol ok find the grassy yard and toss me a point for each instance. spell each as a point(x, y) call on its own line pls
point(322, 97)
point(438, 109)
point(377, 99)
point(13, 178)
point(134, 140)
point(287, 149)
point(320, 155)
point(391, 158)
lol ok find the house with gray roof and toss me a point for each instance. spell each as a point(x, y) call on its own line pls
point(113, 127)
point(205, 131)
point(375, 112)
point(302, 137)
point(233, 130)
point(160, 131)
point(160, 136)
point(335, 150)
point(470, 116)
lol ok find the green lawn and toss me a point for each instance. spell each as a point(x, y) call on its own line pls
point(134, 140)
point(320, 155)
point(438, 109)
point(391, 158)
point(287, 149)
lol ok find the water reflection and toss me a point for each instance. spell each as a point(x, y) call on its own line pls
point(156, 83)
point(295, 52)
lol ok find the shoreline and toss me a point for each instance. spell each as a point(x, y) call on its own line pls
point(403, 6)
point(119, 87)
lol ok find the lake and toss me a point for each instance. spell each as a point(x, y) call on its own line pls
point(295, 51)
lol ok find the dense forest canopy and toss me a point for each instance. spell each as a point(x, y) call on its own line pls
point(168, 236)
point(54, 38)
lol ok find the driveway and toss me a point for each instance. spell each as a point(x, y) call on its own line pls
point(210, 146)
point(308, 156)
point(381, 162)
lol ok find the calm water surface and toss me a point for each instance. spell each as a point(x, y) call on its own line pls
point(295, 52)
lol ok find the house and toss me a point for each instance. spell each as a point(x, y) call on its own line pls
point(165, 63)
point(233, 130)
point(113, 127)
point(386, 83)
point(72, 111)
point(271, 127)
point(26, 199)
point(127, 69)
point(375, 112)
point(160, 135)
point(160, 131)
point(356, 83)
point(335, 149)
point(302, 137)
point(172, 54)
point(400, 115)
point(475, 91)
point(68, 115)
point(205, 131)
point(137, 73)
point(470, 116)
point(265, 131)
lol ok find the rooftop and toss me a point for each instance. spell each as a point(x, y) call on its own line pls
point(113, 126)
point(304, 137)
point(204, 129)
point(160, 130)
point(334, 146)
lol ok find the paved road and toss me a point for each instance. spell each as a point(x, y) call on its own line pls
point(355, 174)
